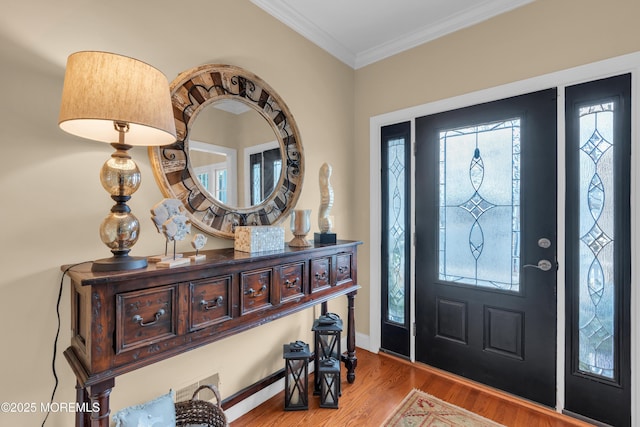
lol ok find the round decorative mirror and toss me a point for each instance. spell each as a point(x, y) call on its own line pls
point(241, 162)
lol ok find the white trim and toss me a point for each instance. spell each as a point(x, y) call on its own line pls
point(255, 400)
point(375, 237)
point(363, 341)
point(231, 165)
point(211, 170)
point(614, 66)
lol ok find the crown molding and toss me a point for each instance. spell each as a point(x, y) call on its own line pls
point(450, 24)
point(280, 10)
point(299, 23)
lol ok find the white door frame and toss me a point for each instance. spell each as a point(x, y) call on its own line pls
point(624, 64)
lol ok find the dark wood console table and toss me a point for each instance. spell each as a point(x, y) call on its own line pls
point(123, 321)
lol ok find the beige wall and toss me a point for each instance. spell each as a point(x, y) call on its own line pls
point(53, 203)
point(539, 38)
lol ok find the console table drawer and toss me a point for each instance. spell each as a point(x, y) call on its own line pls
point(256, 290)
point(320, 273)
point(343, 268)
point(209, 302)
point(144, 317)
point(292, 281)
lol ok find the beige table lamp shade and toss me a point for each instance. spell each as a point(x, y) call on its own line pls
point(101, 88)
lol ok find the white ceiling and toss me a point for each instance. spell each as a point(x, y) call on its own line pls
point(361, 32)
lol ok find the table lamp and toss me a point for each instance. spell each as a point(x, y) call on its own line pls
point(110, 98)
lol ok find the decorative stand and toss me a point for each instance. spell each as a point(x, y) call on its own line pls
point(198, 242)
point(324, 238)
point(160, 213)
point(296, 388)
point(175, 228)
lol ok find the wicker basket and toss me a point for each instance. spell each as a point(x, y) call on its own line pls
point(201, 412)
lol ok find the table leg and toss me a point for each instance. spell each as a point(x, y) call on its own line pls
point(351, 361)
point(99, 395)
point(82, 398)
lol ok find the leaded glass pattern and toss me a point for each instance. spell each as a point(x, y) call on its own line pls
point(396, 229)
point(596, 271)
point(479, 205)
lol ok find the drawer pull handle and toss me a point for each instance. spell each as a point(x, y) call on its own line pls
point(214, 304)
point(343, 269)
point(253, 293)
point(321, 276)
point(291, 284)
point(138, 319)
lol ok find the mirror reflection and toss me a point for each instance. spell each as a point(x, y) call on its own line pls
point(239, 156)
point(234, 153)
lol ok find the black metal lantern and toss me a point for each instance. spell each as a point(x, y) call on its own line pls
point(327, 329)
point(329, 374)
point(296, 382)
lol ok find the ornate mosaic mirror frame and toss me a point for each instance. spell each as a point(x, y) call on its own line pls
point(191, 92)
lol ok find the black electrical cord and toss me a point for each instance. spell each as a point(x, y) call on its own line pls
point(55, 342)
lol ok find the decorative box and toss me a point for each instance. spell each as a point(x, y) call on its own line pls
point(259, 238)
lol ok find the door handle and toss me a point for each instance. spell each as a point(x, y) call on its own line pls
point(543, 264)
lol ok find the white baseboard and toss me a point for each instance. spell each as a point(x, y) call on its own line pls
point(255, 400)
point(364, 342)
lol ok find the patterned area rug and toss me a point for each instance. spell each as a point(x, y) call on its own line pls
point(422, 409)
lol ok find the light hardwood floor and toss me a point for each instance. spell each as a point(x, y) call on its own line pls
point(382, 382)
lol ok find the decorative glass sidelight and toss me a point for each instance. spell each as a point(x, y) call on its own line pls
point(596, 296)
point(479, 237)
point(396, 230)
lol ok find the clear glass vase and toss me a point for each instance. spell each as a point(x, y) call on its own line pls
point(300, 226)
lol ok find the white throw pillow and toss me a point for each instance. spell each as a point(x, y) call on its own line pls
point(159, 412)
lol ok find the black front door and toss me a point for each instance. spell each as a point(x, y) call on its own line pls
point(486, 243)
